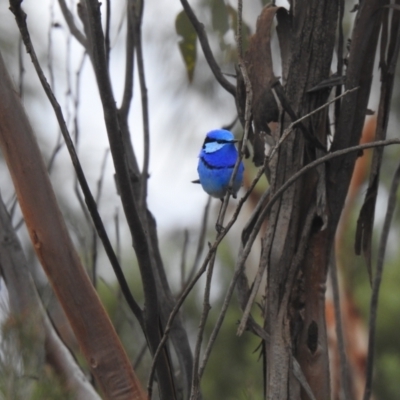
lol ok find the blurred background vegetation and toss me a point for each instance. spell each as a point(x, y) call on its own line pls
point(181, 111)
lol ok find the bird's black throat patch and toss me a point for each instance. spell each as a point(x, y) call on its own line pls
point(208, 165)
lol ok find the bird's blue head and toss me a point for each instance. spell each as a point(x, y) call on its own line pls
point(217, 139)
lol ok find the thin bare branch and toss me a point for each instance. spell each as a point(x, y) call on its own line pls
point(94, 233)
point(77, 97)
point(239, 268)
point(91, 204)
point(289, 129)
point(50, 46)
point(247, 123)
point(107, 31)
point(324, 159)
point(21, 68)
point(69, 18)
point(201, 241)
point(340, 60)
point(117, 235)
point(201, 271)
point(183, 257)
point(129, 62)
point(195, 389)
point(140, 356)
point(298, 373)
point(137, 16)
point(344, 366)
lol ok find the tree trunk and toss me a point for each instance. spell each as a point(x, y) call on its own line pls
point(302, 224)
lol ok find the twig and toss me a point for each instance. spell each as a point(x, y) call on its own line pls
point(58, 146)
point(249, 100)
point(201, 271)
point(259, 217)
point(77, 97)
point(91, 204)
point(137, 15)
point(139, 357)
point(69, 18)
point(183, 257)
point(344, 367)
point(129, 63)
point(199, 28)
point(377, 281)
point(340, 61)
point(201, 241)
point(250, 301)
point(50, 46)
point(117, 236)
point(243, 70)
point(107, 31)
point(321, 160)
point(298, 257)
point(289, 129)
point(298, 373)
point(241, 259)
point(194, 391)
point(94, 233)
point(76, 134)
point(21, 69)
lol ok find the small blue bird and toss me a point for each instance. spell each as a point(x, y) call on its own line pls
point(216, 162)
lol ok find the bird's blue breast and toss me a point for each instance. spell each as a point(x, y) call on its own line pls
point(215, 169)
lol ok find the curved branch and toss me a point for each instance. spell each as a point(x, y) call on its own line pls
point(137, 25)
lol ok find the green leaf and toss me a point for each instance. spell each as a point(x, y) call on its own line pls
point(220, 22)
point(187, 43)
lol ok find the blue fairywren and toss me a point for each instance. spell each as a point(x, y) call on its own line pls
point(216, 162)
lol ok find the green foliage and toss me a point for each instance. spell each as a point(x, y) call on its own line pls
point(50, 388)
point(18, 352)
point(387, 354)
point(235, 369)
point(223, 19)
point(187, 43)
point(219, 17)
